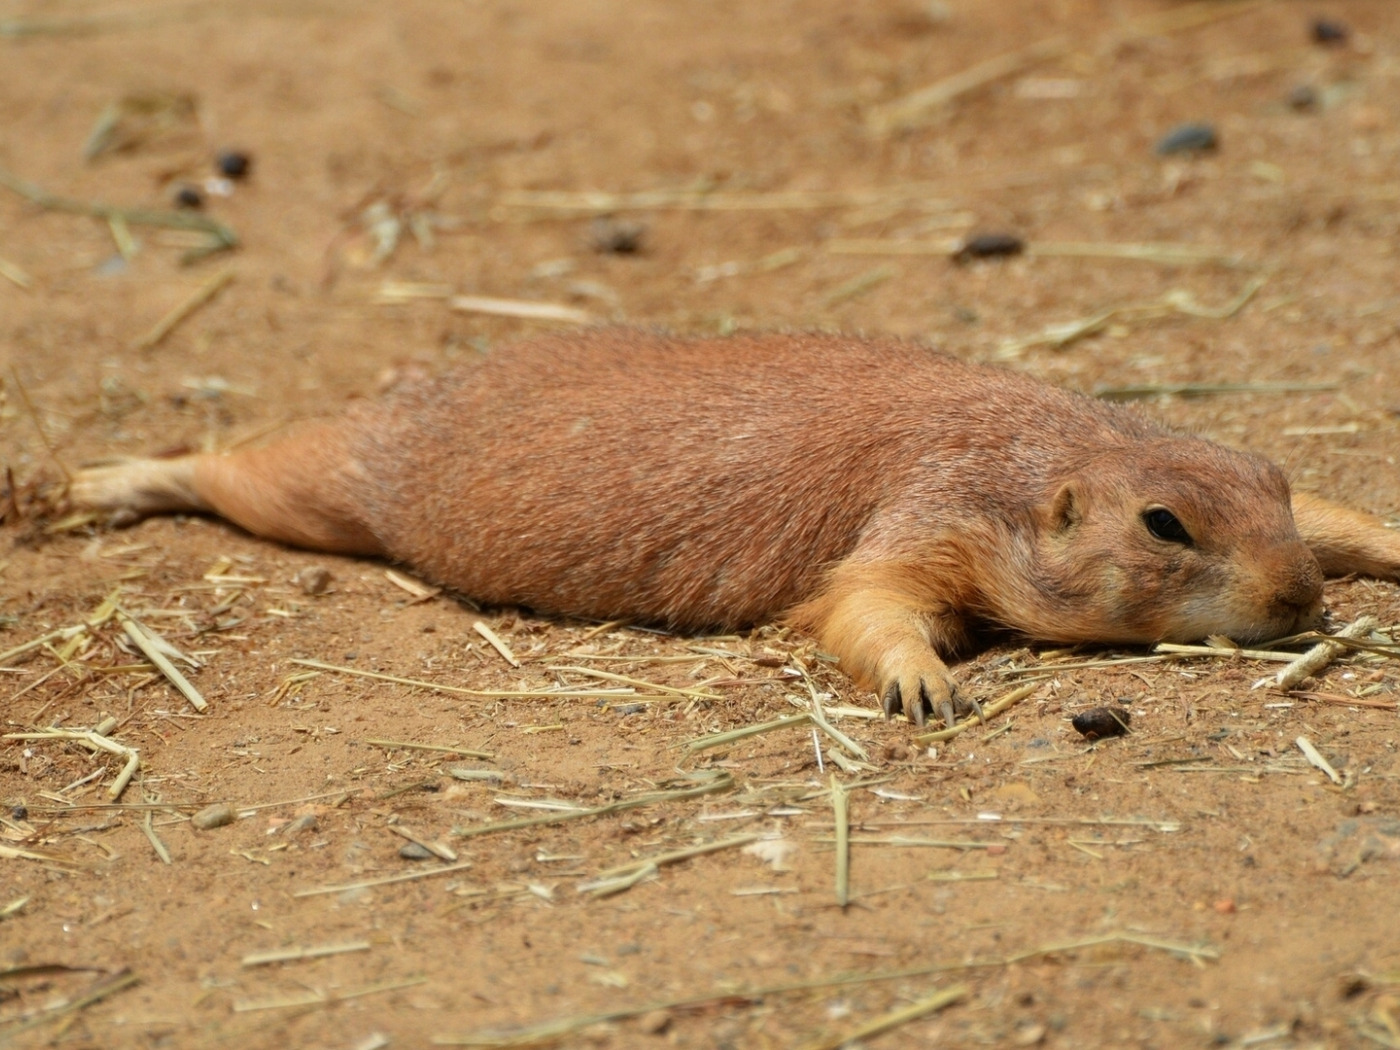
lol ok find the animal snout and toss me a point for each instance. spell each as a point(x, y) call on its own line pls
point(1300, 590)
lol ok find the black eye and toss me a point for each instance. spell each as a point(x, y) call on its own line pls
point(1162, 523)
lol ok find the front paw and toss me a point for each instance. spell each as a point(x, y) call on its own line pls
point(920, 692)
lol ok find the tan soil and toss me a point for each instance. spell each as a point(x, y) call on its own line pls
point(1290, 882)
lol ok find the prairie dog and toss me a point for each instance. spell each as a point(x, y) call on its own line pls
point(888, 499)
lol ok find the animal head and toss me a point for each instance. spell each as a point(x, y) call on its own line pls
point(1171, 539)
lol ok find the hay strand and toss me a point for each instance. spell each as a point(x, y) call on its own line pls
point(996, 707)
point(1323, 653)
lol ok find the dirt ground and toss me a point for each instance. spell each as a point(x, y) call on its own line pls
point(1197, 883)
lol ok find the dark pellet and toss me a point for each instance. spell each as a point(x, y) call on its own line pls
point(188, 197)
point(233, 164)
point(988, 246)
point(1100, 722)
point(1188, 138)
point(1329, 31)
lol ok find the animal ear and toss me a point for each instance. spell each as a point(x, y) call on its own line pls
point(1066, 509)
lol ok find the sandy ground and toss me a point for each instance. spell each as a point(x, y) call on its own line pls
point(1197, 883)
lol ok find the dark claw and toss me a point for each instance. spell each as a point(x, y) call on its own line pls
point(950, 717)
point(925, 704)
point(891, 701)
point(978, 708)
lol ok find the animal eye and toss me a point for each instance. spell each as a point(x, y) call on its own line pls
point(1162, 523)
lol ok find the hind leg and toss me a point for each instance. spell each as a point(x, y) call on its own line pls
point(304, 490)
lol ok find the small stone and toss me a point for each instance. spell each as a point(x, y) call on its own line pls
point(988, 246)
point(1303, 97)
point(655, 1022)
point(1100, 722)
point(314, 580)
point(233, 164)
point(20, 813)
point(613, 236)
point(215, 816)
point(1196, 137)
point(413, 851)
point(1329, 31)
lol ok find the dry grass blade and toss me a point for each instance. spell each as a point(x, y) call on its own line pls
point(15, 275)
point(325, 999)
point(410, 746)
point(15, 853)
point(192, 302)
point(1347, 701)
point(386, 880)
point(1058, 336)
point(1161, 252)
point(611, 885)
point(477, 694)
point(149, 830)
point(1145, 390)
point(601, 202)
point(1194, 952)
point(704, 743)
point(609, 676)
point(155, 648)
point(97, 742)
point(840, 807)
point(437, 849)
point(296, 954)
point(906, 842)
point(1225, 652)
point(522, 308)
point(39, 426)
point(660, 860)
point(102, 989)
point(715, 782)
point(221, 238)
point(996, 707)
point(1314, 757)
point(1323, 653)
point(929, 1004)
point(915, 108)
point(494, 640)
point(858, 286)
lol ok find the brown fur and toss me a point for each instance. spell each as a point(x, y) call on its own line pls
point(889, 499)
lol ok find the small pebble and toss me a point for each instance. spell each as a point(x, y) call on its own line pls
point(1195, 137)
point(314, 580)
point(630, 709)
point(233, 164)
point(215, 816)
point(1303, 97)
point(20, 813)
point(1100, 722)
point(612, 236)
point(413, 851)
point(989, 245)
point(189, 197)
point(1329, 31)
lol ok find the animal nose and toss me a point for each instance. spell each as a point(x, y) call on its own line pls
point(1301, 590)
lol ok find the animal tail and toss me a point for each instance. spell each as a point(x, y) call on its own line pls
point(304, 489)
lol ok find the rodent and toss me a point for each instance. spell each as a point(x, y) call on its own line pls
point(889, 499)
